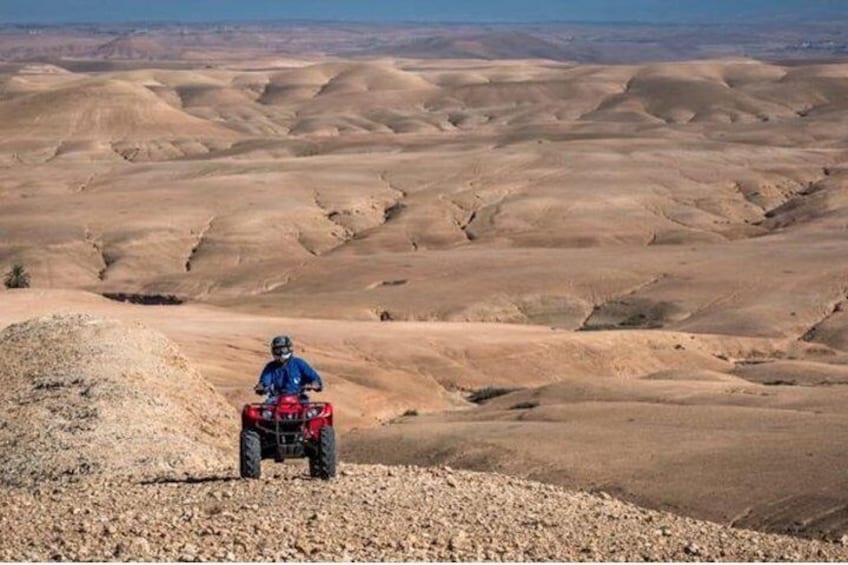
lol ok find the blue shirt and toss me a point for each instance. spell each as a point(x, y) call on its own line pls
point(288, 377)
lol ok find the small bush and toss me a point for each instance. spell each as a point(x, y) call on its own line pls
point(482, 395)
point(524, 405)
point(633, 321)
point(410, 412)
point(17, 277)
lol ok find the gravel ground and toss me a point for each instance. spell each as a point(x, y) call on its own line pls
point(367, 513)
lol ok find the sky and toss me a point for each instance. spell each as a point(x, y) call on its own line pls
point(516, 11)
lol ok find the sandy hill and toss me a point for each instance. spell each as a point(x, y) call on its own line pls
point(100, 109)
point(506, 44)
point(706, 437)
point(372, 78)
point(135, 46)
point(83, 395)
point(659, 172)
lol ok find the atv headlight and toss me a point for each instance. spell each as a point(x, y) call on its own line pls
point(312, 412)
point(267, 414)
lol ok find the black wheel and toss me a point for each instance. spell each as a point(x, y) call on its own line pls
point(250, 455)
point(323, 464)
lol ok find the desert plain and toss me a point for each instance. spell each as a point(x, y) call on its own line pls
point(629, 280)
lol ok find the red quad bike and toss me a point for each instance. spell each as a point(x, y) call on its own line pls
point(290, 429)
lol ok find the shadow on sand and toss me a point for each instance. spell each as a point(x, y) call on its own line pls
point(188, 480)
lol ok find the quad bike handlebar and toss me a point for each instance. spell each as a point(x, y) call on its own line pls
point(259, 389)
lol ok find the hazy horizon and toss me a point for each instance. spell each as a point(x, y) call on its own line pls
point(437, 11)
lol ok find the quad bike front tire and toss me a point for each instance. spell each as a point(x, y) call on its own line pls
point(322, 465)
point(250, 455)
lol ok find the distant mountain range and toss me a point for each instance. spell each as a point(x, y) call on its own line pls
point(595, 43)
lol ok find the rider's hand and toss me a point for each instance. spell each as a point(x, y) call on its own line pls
point(259, 389)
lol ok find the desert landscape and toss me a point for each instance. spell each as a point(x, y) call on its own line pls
point(611, 295)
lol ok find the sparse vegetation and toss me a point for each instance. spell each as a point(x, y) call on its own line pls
point(482, 395)
point(634, 320)
point(410, 412)
point(145, 299)
point(17, 277)
point(525, 405)
point(309, 151)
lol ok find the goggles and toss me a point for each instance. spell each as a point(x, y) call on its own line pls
point(281, 351)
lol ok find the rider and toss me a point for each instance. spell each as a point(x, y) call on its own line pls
point(286, 374)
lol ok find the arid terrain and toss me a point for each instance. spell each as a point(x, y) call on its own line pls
point(619, 278)
point(115, 449)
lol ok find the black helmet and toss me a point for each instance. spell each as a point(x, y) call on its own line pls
point(281, 347)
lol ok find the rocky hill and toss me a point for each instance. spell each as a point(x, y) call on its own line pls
point(82, 395)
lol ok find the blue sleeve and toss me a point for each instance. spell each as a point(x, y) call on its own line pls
point(310, 375)
point(266, 379)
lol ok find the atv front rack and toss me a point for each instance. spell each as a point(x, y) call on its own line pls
point(287, 435)
point(287, 431)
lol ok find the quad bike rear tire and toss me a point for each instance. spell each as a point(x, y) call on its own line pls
point(322, 465)
point(250, 455)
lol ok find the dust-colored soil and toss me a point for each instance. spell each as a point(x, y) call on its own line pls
point(578, 197)
point(657, 418)
point(115, 450)
point(653, 255)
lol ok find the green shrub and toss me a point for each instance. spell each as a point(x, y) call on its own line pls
point(480, 396)
point(17, 277)
point(524, 405)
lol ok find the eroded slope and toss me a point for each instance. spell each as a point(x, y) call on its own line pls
point(576, 196)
